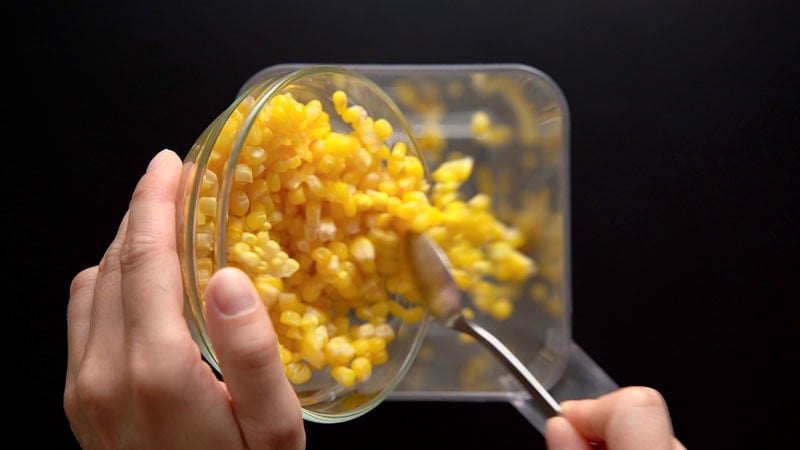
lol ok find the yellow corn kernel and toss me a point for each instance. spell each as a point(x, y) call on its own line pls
point(344, 375)
point(464, 338)
point(344, 285)
point(414, 314)
point(339, 249)
point(291, 318)
point(363, 331)
point(286, 354)
point(468, 313)
point(207, 206)
point(385, 331)
point(383, 129)
point(256, 219)
point(339, 351)
point(294, 162)
point(267, 292)
point(413, 167)
point(389, 187)
point(289, 301)
point(362, 159)
point(457, 170)
point(210, 185)
point(312, 347)
point(379, 199)
point(238, 203)
point(322, 255)
point(339, 101)
point(254, 155)
point(361, 346)
point(315, 186)
point(376, 345)
point(312, 290)
point(362, 368)
point(243, 174)
point(501, 309)
point(480, 123)
point(379, 358)
point(297, 372)
point(313, 110)
point(354, 114)
point(296, 197)
point(205, 266)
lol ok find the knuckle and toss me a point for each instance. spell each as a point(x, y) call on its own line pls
point(110, 260)
point(253, 355)
point(93, 393)
point(643, 397)
point(137, 246)
point(286, 431)
point(70, 402)
point(155, 375)
point(83, 280)
point(146, 384)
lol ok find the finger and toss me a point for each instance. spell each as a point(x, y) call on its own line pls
point(105, 324)
point(629, 418)
point(246, 345)
point(94, 317)
point(561, 436)
point(152, 294)
point(79, 313)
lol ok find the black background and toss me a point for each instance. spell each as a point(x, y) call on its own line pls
point(684, 153)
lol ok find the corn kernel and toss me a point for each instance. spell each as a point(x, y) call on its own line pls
point(480, 123)
point(339, 352)
point(379, 358)
point(362, 368)
point(298, 373)
point(502, 309)
point(291, 318)
point(207, 206)
point(344, 375)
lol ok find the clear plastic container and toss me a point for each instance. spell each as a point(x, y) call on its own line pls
point(522, 158)
point(514, 122)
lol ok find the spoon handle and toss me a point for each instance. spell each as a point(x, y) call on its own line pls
point(539, 394)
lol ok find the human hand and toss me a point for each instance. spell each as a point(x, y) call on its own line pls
point(630, 418)
point(135, 377)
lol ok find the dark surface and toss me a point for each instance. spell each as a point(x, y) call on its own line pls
point(685, 124)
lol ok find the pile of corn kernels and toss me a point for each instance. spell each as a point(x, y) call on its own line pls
point(317, 218)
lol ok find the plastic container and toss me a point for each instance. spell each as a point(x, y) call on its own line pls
point(513, 120)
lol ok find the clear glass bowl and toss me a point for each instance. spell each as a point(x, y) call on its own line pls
point(202, 252)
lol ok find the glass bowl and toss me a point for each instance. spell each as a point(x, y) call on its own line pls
point(255, 196)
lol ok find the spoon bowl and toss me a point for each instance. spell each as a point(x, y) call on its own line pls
point(445, 302)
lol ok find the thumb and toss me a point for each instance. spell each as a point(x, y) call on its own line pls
point(246, 345)
point(560, 435)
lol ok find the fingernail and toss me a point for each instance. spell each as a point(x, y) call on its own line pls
point(157, 160)
point(233, 294)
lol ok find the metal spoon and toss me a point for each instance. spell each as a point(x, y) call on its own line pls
point(444, 300)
